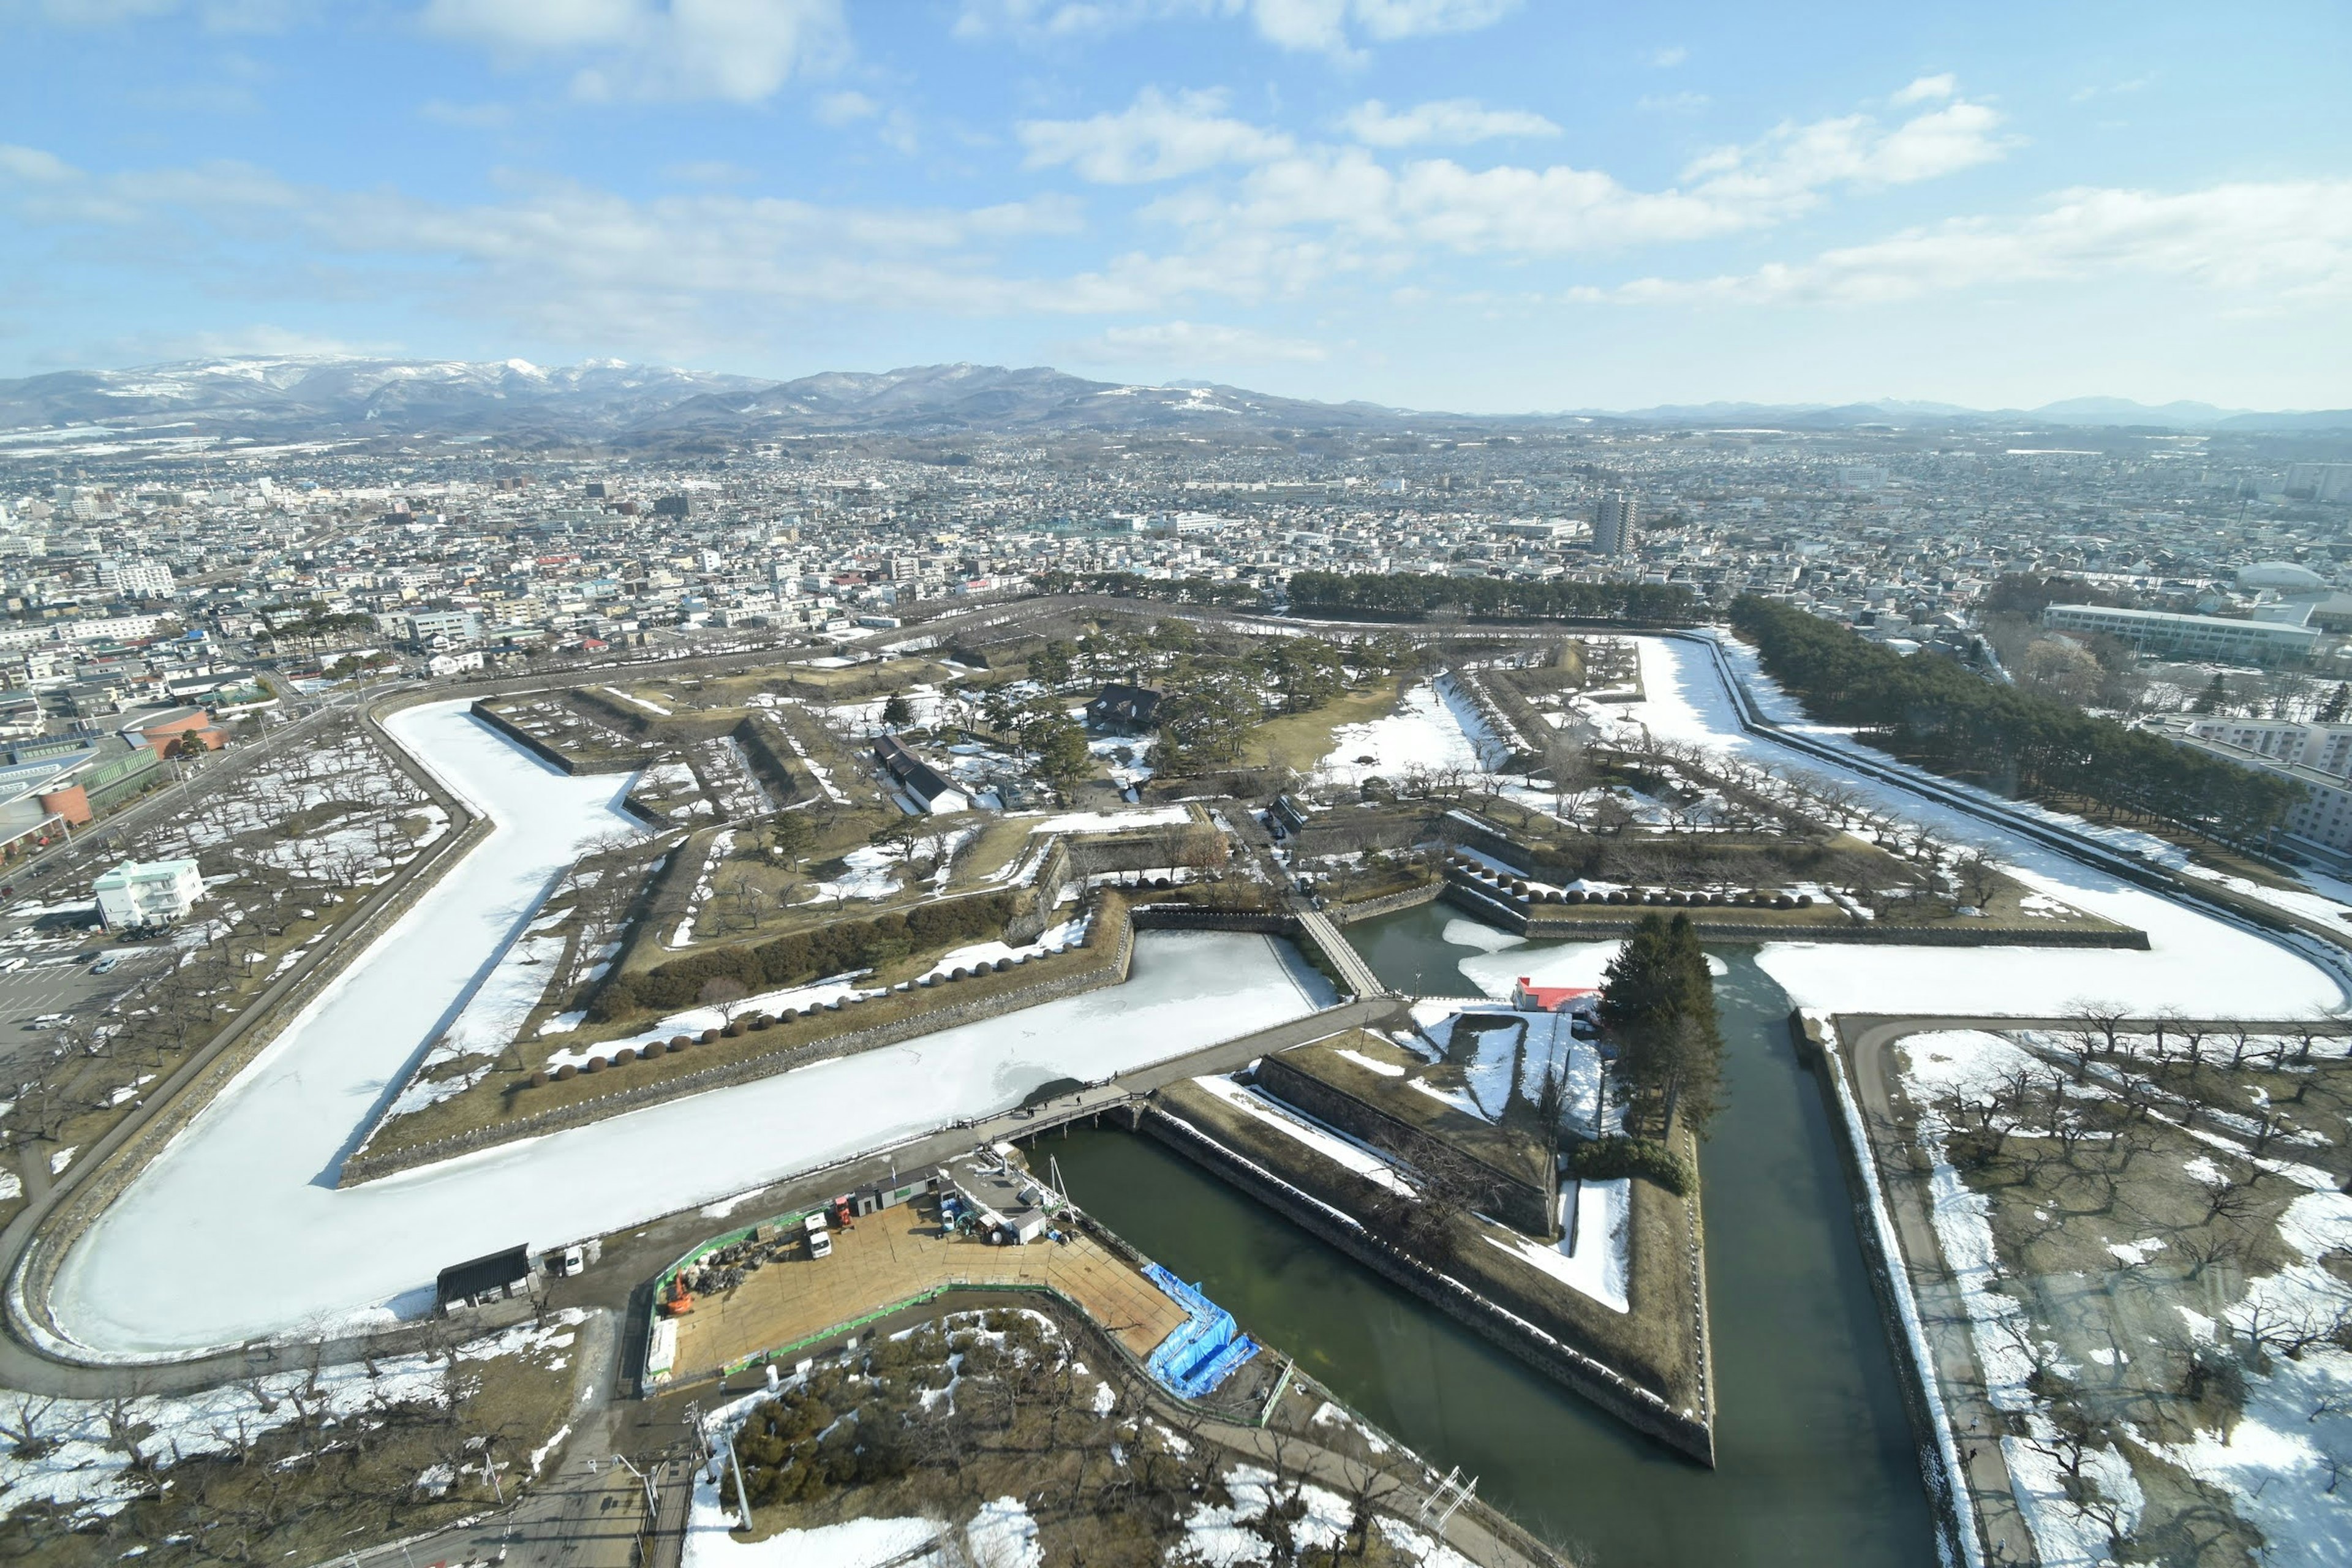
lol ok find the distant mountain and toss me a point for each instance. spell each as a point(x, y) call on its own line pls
point(947, 399)
point(608, 401)
point(325, 394)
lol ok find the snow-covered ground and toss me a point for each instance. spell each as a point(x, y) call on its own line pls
point(246, 1193)
point(1597, 1259)
point(2202, 965)
point(1427, 732)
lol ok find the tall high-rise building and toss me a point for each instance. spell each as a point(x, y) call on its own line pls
point(1613, 524)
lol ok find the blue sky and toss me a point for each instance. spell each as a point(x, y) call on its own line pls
point(1479, 205)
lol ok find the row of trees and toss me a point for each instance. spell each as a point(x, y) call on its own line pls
point(1657, 1006)
point(806, 955)
point(1955, 721)
point(1420, 597)
point(1223, 591)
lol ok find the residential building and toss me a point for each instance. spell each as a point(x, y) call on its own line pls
point(145, 893)
point(1614, 523)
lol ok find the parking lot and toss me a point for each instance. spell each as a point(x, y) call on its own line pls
point(47, 967)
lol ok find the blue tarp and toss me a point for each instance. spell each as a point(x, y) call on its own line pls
point(1202, 1354)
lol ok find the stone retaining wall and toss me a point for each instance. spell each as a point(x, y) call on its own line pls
point(1940, 1461)
point(1534, 921)
point(482, 710)
point(1596, 1381)
point(850, 1042)
point(1387, 904)
point(1513, 1199)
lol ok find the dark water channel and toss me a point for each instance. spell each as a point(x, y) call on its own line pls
point(1816, 1459)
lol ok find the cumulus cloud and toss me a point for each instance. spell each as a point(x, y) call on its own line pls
point(1453, 121)
point(1187, 343)
point(1326, 27)
point(1154, 138)
point(736, 50)
point(1562, 209)
point(2278, 241)
point(1927, 89)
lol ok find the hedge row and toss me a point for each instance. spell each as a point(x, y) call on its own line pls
point(808, 956)
point(1607, 1159)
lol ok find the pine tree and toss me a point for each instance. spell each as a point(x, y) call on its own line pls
point(1657, 1006)
point(2338, 702)
point(2213, 699)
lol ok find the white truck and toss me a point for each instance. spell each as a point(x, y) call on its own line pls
point(820, 1235)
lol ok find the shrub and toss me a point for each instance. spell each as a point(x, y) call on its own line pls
point(539, 1080)
point(596, 1064)
point(623, 1056)
point(679, 1042)
point(566, 1072)
point(1608, 1159)
point(709, 1037)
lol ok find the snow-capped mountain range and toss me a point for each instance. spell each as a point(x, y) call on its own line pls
point(311, 397)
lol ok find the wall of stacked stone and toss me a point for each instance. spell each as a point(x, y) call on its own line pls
point(1536, 920)
point(949, 1014)
point(1387, 904)
point(1594, 1379)
point(538, 748)
point(1522, 1204)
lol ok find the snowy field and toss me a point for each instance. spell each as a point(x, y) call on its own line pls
point(247, 1193)
point(2196, 962)
point(1432, 731)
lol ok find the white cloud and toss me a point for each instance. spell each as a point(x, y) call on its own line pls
point(31, 164)
point(842, 108)
point(1670, 57)
point(1674, 103)
point(2271, 242)
point(1386, 213)
point(1325, 27)
point(216, 15)
point(1786, 168)
point(1155, 138)
point(467, 116)
point(738, 50)
point(1450, 121)
point(1191, 343)
point(1927, 89)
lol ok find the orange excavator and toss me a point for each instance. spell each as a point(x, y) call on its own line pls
point(681, 1300)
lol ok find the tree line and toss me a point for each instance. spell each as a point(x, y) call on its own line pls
point(1417, 597)
point(807, 955)
point(1657, 1008)
point(1932, 711)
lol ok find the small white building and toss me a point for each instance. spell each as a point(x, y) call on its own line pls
point(155, 893)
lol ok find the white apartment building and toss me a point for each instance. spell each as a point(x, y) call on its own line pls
point(2188, 637)
point(2323, 748)
point(137, 579)
point(153, 892)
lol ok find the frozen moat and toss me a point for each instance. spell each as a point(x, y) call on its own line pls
point(237, 1231)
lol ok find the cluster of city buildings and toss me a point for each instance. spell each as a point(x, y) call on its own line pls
point(229, 580)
